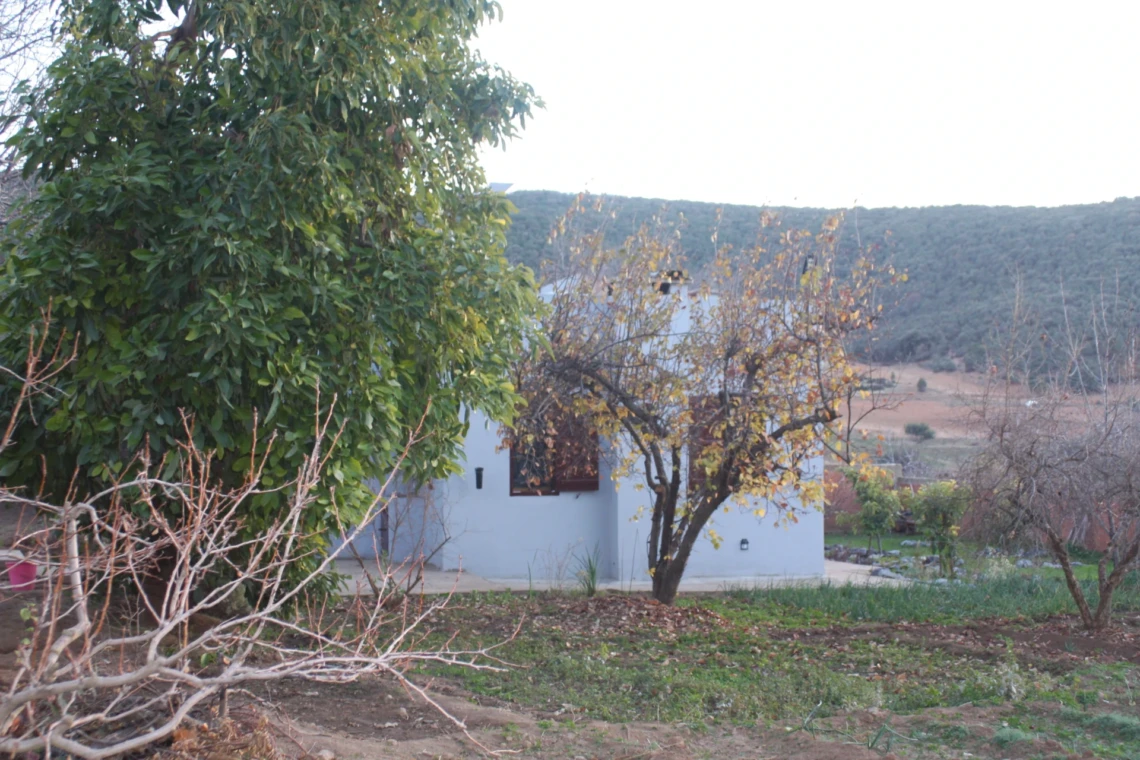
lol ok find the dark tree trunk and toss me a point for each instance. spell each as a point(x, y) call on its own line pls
point(1107, 583)
point(666, 581)
point(670, 568)
point(1061, 554)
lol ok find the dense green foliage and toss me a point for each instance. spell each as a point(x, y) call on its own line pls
point(962, 261)
point(274, 205)
point(939, 508)
point(879, 504)
point(919, 430)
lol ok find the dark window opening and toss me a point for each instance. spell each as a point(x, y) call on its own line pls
point(565, 461)
point(531, 473)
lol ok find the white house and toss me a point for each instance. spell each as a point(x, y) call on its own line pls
point(482, 522)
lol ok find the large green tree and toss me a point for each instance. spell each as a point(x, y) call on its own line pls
point(268, 204)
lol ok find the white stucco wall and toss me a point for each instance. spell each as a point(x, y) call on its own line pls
point(497, 535)
point(786, 550)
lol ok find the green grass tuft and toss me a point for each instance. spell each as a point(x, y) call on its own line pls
point(1122, 726)
point(1013, 597)
point(1009, 735)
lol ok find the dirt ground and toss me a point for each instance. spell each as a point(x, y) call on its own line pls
point(387, 723)
point(377, 720)
point(943, 406)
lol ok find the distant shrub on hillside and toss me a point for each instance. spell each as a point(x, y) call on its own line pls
point(943, 364)
point(919, 430)
point(922, 385)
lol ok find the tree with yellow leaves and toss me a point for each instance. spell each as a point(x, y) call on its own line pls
point(711, 389)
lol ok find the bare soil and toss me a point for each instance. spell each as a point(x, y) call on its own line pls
point(943, 406)
point(377, 719)
point(389, 724)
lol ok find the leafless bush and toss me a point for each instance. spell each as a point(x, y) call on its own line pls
point(1064, 463)
point(134, 627)
point(94, 682)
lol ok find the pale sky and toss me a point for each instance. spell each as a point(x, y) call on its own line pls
point(826, 104)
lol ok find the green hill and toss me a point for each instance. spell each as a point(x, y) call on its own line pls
point(961, 260)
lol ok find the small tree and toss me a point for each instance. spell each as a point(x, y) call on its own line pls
point(919, 430)
point(939, 508)
point(260, 197)
point(921, 385)
point(711, 393)
point(1068, 463)
point(879, 504)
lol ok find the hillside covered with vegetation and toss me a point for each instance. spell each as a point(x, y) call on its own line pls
point(962, 261)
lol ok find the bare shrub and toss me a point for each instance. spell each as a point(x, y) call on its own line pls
point(1066, 462)
point(133, 629)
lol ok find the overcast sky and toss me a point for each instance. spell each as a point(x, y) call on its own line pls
point(825, 104)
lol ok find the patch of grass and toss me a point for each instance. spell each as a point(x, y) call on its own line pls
point(732, 670)
point(1122, 726)
point(733, 678)
point(1009, 735)
point(955, 734)
point(1012, 597)
point(1110, 725)
point(767, 658)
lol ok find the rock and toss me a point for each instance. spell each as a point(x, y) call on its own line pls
point(1052, 565)
point(403, 713)
point(325, 754)
point(941, 581)
point(894, 553)
point(909, 542)
point(1023, 563)
point(882, 572)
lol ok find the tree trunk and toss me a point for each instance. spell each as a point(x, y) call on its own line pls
point(668, 572)
point(1061, 554)
point(666, 581)
point(1103, 614)
point(1107, 584)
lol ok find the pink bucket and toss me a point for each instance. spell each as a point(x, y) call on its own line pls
point(21, 575)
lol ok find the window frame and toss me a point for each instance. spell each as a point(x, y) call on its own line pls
point(557, 481)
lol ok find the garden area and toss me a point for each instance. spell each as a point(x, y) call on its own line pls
point(999, 668)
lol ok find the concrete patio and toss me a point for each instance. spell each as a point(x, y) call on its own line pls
point(448, 581)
